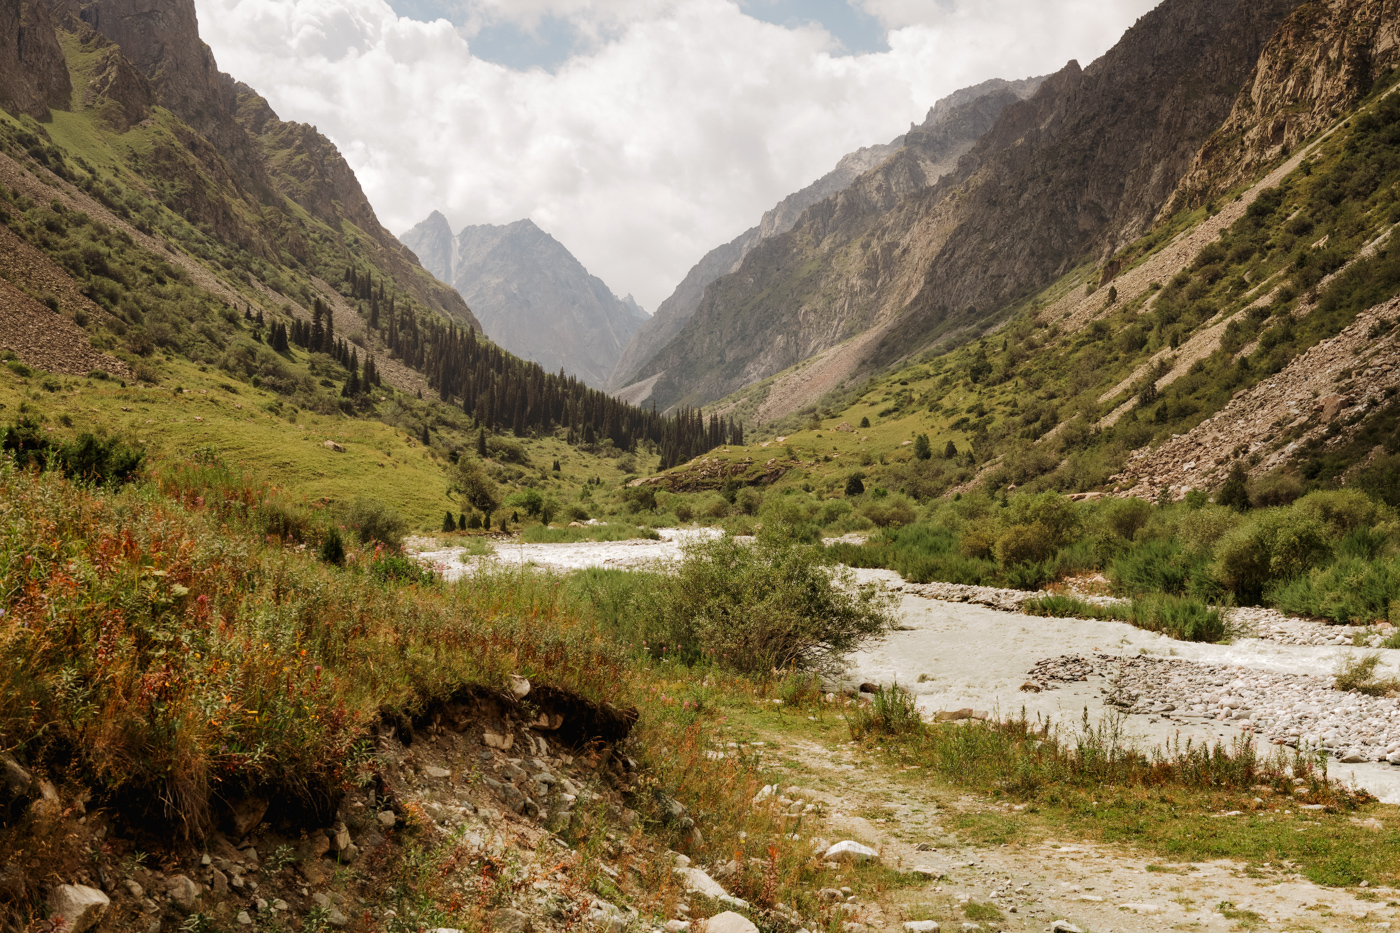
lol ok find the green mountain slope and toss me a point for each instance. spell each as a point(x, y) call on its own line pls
point(160, 226)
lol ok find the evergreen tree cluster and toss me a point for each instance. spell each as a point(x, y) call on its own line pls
point(505, 393)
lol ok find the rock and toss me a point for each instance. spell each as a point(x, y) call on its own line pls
point(15, 780)
point(519, 686)
point(386, 818)
point(1064, 926)
point(952, 715)
point(244, 919)
point(349, 854)
point(921, 926)
point(608, 917)
point(219, 882)
point(729, 900)
point(509, 921)
point(677, 926)
point(183, 893)
point(332, 445)
point(134, 889)
point(497, 741)
point(340, 838)
point(1355, 756)
point(1142, 908)
point(337, 918)
point(729, 922)
point(701, 883)
point(80, 907)
point(436, 774)
point(851, 850)
point(246, 814)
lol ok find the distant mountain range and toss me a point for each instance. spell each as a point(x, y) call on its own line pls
point(951, 128)
point(530, 294)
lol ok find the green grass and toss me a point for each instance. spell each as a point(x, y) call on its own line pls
point(1181, 618)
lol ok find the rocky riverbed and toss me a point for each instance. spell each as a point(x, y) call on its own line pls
point(971, 647)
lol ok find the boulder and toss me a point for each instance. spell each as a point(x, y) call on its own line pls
point(332, 445)
point(15, 781)
point(79, 906)
point(246, 814)
point(921, 926)
point(1064, 926)
point(508, 920)
point(850, 850)
point(183, 893)
point(729, 922)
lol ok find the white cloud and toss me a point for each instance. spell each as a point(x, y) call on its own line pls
point(682, 124)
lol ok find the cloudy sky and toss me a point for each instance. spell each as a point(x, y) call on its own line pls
point(640, 133)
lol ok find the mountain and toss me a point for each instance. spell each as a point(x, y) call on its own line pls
point(949, 130)
point(204, 276)
point(530, 294)
point(1071, 174)
point(1250, 335)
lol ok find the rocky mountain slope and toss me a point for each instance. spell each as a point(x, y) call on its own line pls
point(1253, 336)
point(531, 295)
point(937, 154)
point(1075, 172)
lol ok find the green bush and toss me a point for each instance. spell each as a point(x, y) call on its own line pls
point(1158, 565)
point(1273, 546)
point(890, 712)
point(1024, 544)
point(1353, 589)
point(760, 607)
point(1343, 511)
point(100, 461)
point(395, 568)
point(890, 512)
point(375, 523)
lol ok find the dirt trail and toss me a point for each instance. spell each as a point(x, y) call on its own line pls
point(1098, 888)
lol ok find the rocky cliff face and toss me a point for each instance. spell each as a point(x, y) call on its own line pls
point(149, 52)
point(1077, 170)
point(940, 141)
point(1321, 61)
point(33, 75)
point(530, 294)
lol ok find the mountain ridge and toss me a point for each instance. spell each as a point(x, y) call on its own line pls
point(676, 310)
point(530, 294)
point(1087, 162)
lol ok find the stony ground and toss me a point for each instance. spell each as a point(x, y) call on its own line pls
point(907, 818)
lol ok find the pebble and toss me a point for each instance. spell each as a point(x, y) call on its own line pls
point(1296, 710)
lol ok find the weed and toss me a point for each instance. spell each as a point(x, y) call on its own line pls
point(1357, 674)
point(975, 911)
point(890, 712)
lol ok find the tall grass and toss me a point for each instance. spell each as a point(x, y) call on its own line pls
point(178, 658)
point(1180, 617)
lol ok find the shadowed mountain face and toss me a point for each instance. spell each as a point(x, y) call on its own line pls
point(1067, 176)
point(531, 295)
point(950, 129)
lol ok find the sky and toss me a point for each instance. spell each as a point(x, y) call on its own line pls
point(639, 133)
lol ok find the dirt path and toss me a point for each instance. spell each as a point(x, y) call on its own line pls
point(1099, 888)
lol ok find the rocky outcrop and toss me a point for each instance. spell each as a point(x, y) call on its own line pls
point(937, 153)
point(1076, 171)
point(1325, 58)
point(1318, 397)
point(33, 74)
point(531, 295)
point(118, 91)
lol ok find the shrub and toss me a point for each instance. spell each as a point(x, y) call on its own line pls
point(1275, 489)
point(1353, 589)
point(1024, 544)
point(1358, 675)
point(683, 511)
point(756, 608)
point(1277, 545)
point(1157, 566)
point(1056, 514)
point(890, 512)
point(332, 548)
point(375, 523)
point(855, 484)
point(389, 568)
point(1342, 510)
point(1124, 517)
point(890, 712)
point(1234, 492)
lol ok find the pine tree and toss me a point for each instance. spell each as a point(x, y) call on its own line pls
point(951, 451)
point(448, 522)
point(922, 449)
point(481, 444)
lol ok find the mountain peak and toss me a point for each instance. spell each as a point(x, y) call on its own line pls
point(530, 293)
